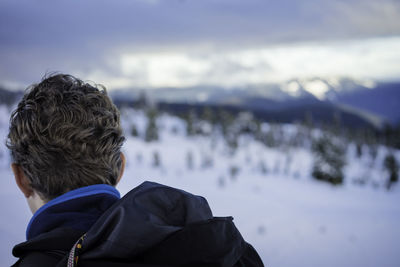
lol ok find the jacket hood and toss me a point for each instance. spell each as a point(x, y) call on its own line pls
point(142, 218)
point(153, 222)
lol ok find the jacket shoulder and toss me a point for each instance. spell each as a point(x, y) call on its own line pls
point(249, 258)
point(46, 249)
point(42, 259)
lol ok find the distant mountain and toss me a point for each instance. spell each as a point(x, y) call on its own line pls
point(325, 89)
point(377, 101)
point(321, 113)
point(361, 103)
point(382, 100)
point(9, 97)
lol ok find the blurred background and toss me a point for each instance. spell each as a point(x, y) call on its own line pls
point(283, 114)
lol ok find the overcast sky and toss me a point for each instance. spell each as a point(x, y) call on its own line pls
point(155, 43)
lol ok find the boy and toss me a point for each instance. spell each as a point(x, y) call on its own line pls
point(65, 140)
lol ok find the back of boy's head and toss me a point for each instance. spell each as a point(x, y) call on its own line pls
point(66, 134)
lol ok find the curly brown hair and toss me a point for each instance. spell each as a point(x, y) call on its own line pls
point(66, 134)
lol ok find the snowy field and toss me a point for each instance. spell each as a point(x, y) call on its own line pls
point(289, 218)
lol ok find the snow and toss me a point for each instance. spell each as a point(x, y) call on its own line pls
point(317, 88)
point(289, 218)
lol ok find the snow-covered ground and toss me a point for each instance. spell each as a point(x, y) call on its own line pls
point(289, 218)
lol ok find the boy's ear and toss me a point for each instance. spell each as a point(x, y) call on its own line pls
point(121, 172)
point(21, 180)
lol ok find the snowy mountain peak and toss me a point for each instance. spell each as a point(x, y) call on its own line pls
point(324, 88)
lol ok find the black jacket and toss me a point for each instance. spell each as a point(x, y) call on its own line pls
point(152, 225)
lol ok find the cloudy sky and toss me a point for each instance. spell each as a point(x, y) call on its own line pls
point(178, 43)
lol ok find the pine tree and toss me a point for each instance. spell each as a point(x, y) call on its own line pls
point(359, 150)
point(269, 138)
point(142, 101)
point(189, 160)
point(392, 167)
point(151, 130)
point(221, 182)
point(288, 163)
point(156, 159)
point(139, 157)
point(175, 130)
point(226, 120)
point(207, 162)
point(329, 159)
point(273, 136)
point(263, 167)
point(373, 152)
point(190, 121)
point(232, 140)
point(234, 171)
point(134, 131)
point(208, 115)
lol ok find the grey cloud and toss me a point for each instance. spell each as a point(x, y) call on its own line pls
point(364, 18)
point(102, 23)
point(36, 36)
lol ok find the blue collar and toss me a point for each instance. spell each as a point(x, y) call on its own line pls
point(65, 203)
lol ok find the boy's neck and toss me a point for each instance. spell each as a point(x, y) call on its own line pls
point(35, 202)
